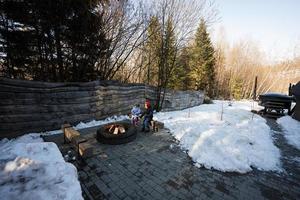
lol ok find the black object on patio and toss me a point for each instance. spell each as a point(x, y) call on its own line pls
point(275, 104)
point(295, 90)
point(116, 133)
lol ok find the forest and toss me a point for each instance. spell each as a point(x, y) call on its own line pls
point(165, 43)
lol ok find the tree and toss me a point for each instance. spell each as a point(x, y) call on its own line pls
point(161, 54)
point(153, 54)
point(52, 40)
point(169, 30)
point(203, 61)
point(65, 40)
point(179, 78)
point(167, 60)
point(125, 29)
point(236, 86)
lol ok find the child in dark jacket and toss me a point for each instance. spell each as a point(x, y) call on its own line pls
point(148, 115)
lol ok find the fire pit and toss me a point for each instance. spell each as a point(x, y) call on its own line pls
point(116, 133)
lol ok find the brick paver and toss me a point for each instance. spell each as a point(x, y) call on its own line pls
point(154, 167)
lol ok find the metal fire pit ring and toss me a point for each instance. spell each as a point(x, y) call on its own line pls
point(105, 137)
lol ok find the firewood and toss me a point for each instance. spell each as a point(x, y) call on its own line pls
point(122, 129)
point(116, 131)
point(70, 133)
point(78, 139)
point(111, 128)
point(85, 149)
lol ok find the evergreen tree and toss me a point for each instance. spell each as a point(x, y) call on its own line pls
point(52, 40)
point(161, 56)
point(152, 56)
point(180, 76)
point(174, 71)
point(203, 61)
point(236, 88)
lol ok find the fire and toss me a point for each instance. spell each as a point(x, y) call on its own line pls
point(116, 129)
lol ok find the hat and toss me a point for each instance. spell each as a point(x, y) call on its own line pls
point(148, 104)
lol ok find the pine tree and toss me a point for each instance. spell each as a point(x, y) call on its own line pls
point(152, 56)
point(180, 78)
point(161, 55)
point(52, 40)
point(175, 71)
point(236, 87)
point(203, 61)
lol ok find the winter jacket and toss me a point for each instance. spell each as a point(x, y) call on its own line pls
point(136, 111)
point(148, 113)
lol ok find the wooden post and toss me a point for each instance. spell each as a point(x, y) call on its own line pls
point(222, 112)
point(255, 88)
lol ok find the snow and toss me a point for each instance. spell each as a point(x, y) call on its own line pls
point(296, 160)
point(93, 123)
point(33, 169)
point(238, 142)
point(89, 124)
point(291, 129)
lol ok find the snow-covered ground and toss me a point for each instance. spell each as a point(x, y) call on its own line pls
point(291, 129)
point(33, 169)
point(238, 142)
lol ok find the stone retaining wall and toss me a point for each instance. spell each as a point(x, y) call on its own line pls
point(30, 106)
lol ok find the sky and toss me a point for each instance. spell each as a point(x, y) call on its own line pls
point(273, 24)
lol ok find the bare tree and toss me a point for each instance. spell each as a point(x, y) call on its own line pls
point(244, 61)
point(125, 29)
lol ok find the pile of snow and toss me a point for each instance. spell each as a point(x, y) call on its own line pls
point(239, 141)
point(33, 169)
point(291, 131)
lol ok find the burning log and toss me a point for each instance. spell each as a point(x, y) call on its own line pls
point(116, 129)
point(122, 129)
point(127, 132)
point(111, 129)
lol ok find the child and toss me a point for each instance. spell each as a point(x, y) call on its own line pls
point(148, 115)
point(135, 114)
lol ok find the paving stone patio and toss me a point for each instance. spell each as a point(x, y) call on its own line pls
point(154, 167)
